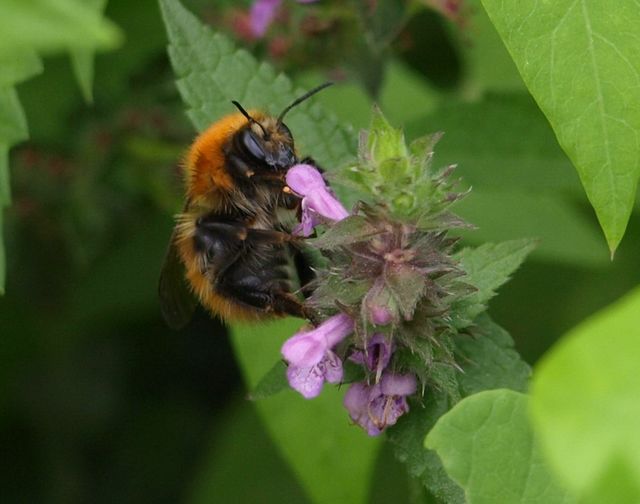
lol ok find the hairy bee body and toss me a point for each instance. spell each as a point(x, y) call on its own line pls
point(232, 240)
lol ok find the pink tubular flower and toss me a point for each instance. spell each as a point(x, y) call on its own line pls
point(317, 200)
point(262, 14)
point(375, 356)
point(377, 407)
point(310, 356)
point(309, 380)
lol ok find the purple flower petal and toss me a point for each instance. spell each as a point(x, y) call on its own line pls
point(309, 380)
point(356, 400)
point(377, 407)
point(304, 349)
point(385, 410)
point(306, 380)
point(317, 199)
point(333, 371)
point(398, 385)
point(336, 328)
point(304, 179)
point(261, 15)
point(326, 204)
point(377, 354)
point(308, 221)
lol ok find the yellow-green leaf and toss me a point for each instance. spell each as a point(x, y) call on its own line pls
point(487, 446)
point(579, 59)
point(48, 26)
point(586, 402)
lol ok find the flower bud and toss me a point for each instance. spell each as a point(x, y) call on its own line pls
point(380, 305)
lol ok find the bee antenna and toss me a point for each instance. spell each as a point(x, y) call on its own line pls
point(297, 101)
point(249, 118)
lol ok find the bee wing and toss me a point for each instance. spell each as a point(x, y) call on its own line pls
point(177, 302)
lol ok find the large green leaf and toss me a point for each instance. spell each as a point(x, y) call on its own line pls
point(579, 59)
point(18, 66)
point(333, 459)
point(212, 71)
point(487, 446)
point(487, 268)
point(54, 25)
point(240, 447)
point(406, 438)
point(586, 403)
point(488, 360)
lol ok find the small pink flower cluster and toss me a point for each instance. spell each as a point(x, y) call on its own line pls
point(311, 356)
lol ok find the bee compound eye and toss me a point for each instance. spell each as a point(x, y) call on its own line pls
point(253, 145)
point(284, 129)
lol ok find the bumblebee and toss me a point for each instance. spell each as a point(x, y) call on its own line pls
point(231, 242)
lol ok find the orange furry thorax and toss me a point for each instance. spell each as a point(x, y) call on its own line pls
point(205, 165)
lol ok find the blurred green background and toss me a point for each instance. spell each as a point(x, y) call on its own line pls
point(99, 401)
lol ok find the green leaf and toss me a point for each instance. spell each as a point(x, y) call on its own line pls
point(82, 59)
point(49, 26)
point(333, 459)
point(240, 447)
point(487, 446)
point(488, 360)
point(18, 66)
point(618, 481)
point(585, 400)
point(2, 257)
point(5, 189)
point(212, 72)
point(407, 439)
point(351, 230)
point(384, 141)
point(579, 60)
point(13, 124)
point(274, 381)
point(488, 267)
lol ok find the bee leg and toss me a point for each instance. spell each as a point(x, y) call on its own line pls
point(287, 303)
point(250, 291)
point(243, 233)
point(238, 165)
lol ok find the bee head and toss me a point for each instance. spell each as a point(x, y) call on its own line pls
point(267, 140)
point(267, 144)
